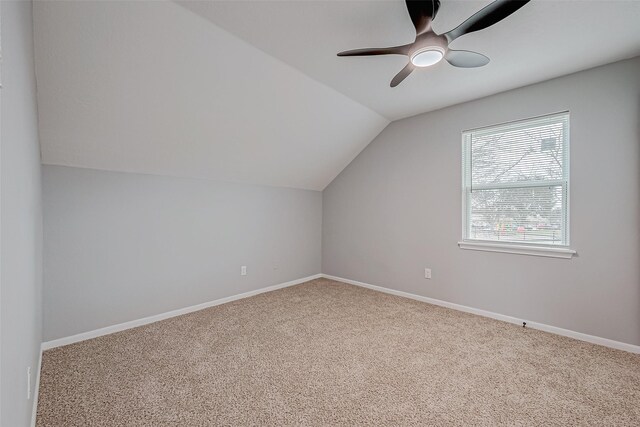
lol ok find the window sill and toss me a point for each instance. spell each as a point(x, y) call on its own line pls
point(546, 251)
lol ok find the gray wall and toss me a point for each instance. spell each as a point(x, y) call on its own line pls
point(121, 246)
point(396, 209)
point(21, 213)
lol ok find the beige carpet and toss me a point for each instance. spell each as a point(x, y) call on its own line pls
point(327, 353)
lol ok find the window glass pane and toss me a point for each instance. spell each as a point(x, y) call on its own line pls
point(533, 215)
point(522, 154)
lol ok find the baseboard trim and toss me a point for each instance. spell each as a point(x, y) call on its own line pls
point(162, 316)
point(36, 389)
point(534, 325)
point(158, 317)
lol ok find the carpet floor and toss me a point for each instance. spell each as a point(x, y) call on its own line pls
point(327, 353)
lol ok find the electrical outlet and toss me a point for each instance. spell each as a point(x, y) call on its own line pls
point(28, 382)
point(243, 270)
point(427, 273)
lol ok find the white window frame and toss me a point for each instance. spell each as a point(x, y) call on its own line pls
point(522, 248)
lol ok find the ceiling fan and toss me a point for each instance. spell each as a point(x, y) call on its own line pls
point(430, 48)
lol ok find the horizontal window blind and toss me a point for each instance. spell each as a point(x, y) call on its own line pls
point(515, 181)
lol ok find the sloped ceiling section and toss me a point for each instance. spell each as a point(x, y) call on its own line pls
point(151, 87)
point(543, 40)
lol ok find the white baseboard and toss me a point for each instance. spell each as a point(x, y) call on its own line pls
point(36, 389)
point(155, 318)
point(534, 325)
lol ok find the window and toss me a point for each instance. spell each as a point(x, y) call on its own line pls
point(516, 187)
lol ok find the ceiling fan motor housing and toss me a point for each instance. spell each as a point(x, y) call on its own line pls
point(429, 49)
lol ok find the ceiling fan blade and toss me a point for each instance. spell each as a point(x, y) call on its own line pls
point(466, 59)
point(422, 12)
point(402, 75)
point(489, 15)
point(395, 50)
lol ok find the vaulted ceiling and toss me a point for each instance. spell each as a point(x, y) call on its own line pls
point(150, 87)
point(544, 39)
point(252, 91)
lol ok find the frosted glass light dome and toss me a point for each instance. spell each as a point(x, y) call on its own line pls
point(427, 56)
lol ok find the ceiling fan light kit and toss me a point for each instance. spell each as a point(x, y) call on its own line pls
point(427, 56)
point(430, 48)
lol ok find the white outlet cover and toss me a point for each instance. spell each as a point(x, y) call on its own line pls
point(427, 273)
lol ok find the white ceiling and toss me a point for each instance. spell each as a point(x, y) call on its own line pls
point(544, 39)
point(252, 91)
point(150, 87)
